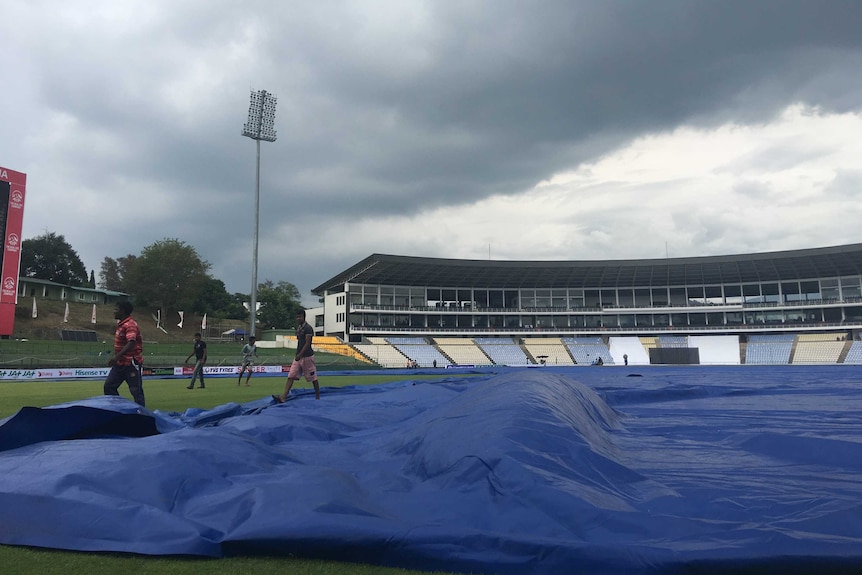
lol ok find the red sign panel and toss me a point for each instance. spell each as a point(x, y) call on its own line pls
point(12, 190)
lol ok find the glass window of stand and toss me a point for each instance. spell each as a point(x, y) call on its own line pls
point(850, 288)
point(643, 319)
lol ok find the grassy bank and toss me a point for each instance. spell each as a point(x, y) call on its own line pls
point(51, 319)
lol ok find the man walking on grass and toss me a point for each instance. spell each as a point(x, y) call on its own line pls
point(249, 352)
point(303, 363)
point(128, 355)
point(200, 353)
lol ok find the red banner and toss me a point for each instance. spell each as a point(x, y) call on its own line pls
point(16, 183)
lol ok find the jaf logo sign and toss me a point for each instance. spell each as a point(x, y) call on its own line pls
point(12, 195)
point(12, 242)
point(8, 288)
point(16, 200)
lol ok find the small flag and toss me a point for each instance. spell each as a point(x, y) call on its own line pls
point(204, 323)
point(34, 308)
point(93, 319)
point(66, 315)
point(158, 318)
point(180, 325)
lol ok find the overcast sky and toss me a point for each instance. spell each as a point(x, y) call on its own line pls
point(570, 130)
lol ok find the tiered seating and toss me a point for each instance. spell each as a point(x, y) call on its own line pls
point(673, 341)
point(818, 351)
point(420, 351)
point(503, 351)
point(331, 344)
point(818, 337)
point(462, 351)
point(648, 342)
point(769, 349)
point(585, 350)
point(854, 355)
point(582, 340)
point(552, 348)
point(818, 348)
point(406, 340)
point(382, 354)
point(772, 338)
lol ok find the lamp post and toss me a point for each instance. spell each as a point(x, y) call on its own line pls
point(260, 126)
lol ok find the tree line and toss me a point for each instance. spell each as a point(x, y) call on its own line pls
point(168, 275)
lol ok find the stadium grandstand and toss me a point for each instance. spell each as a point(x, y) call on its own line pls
point(797, 306)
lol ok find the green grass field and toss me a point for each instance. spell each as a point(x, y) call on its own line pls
point(170, 395)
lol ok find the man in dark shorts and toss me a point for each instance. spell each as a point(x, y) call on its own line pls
point(128, 355)
point(200, 353)
point(303, 363)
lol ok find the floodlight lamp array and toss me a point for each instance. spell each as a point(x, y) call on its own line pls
point(261, 117)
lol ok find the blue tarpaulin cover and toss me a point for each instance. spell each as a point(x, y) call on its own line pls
point(545, 470)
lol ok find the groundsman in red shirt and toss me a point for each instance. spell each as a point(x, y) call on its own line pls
point(128, 355)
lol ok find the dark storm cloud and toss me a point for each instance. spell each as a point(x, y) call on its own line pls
point(508, 93)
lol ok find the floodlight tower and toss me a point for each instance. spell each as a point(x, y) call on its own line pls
point(260, 126)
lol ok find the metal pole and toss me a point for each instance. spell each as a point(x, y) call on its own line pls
point(261, 116)
point(253, 310)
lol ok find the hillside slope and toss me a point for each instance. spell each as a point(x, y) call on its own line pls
point(49, 321)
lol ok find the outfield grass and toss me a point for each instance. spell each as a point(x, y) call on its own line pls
point(171, 395)
point(29, 561)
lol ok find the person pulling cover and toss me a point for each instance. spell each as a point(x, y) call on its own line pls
point(303, 363)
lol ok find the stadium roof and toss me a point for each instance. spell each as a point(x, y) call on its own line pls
point(382, 269)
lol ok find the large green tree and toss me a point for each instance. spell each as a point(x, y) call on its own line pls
point(212, 299)
point(112, 275)
point(237, 307)
point(278, 304)
point(50, 257)
point(168, 274)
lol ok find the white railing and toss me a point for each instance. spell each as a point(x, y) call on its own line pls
point(638, 330)
point(608, 308)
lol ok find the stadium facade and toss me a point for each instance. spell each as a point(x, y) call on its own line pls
point(809, 290)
